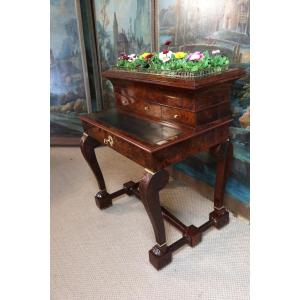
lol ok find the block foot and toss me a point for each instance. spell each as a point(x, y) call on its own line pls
point(159, 257)
point(219, 217)
point(103, 200)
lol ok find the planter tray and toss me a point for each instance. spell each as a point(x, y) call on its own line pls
point(186, 83)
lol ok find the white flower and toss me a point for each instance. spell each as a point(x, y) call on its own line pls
point(132, 57)
point(215, 52)
point(164, 57)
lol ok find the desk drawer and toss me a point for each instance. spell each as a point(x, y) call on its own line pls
point(148, 109)
point(139, 106)
point(179, 116)
point(118, 144)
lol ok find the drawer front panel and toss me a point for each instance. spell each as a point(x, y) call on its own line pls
point(194, 119)
point(138, 106)
point(130, 92)
point(179, 116)
point(125, 148)
point(168, 97)
point(148, 109)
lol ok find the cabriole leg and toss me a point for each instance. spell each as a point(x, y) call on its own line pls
point(149, 188)
point(87, 146)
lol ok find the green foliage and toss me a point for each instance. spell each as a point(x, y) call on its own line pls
point(244, 93)
point(209, 62)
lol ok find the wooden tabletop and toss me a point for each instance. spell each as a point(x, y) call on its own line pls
point(146, 134)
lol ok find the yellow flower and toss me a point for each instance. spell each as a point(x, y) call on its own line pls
point(142, 56)
point(180, 54)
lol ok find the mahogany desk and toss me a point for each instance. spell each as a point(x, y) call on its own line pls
point(159, 121)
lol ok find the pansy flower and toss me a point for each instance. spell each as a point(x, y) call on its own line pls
point(168, 43)
point(143, 56)
point(196, 56)
point(149, 56)
point(132, 57)
point(179, 55)
point(165, 55)
point(215, 52)
point(124, 56)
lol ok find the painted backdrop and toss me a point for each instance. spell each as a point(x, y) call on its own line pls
point(122, 26)
point(224, 25)
point(67, 92)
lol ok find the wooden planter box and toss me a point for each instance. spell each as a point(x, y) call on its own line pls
point(187, 103)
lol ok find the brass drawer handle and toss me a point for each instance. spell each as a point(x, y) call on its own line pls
point(109, 141)
point(176, 116)
point(146, 107)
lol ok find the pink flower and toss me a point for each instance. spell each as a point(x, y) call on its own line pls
point(196, 56)
point(165, 51)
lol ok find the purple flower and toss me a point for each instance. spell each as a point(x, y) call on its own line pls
point(195, 56)
point(124, 56)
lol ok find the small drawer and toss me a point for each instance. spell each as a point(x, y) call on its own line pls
point(179, 116)
point(149, 109)
point(140, 107)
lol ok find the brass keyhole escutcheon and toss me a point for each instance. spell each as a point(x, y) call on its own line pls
point(176, 116)
point(109, 141)
point(146, 107)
